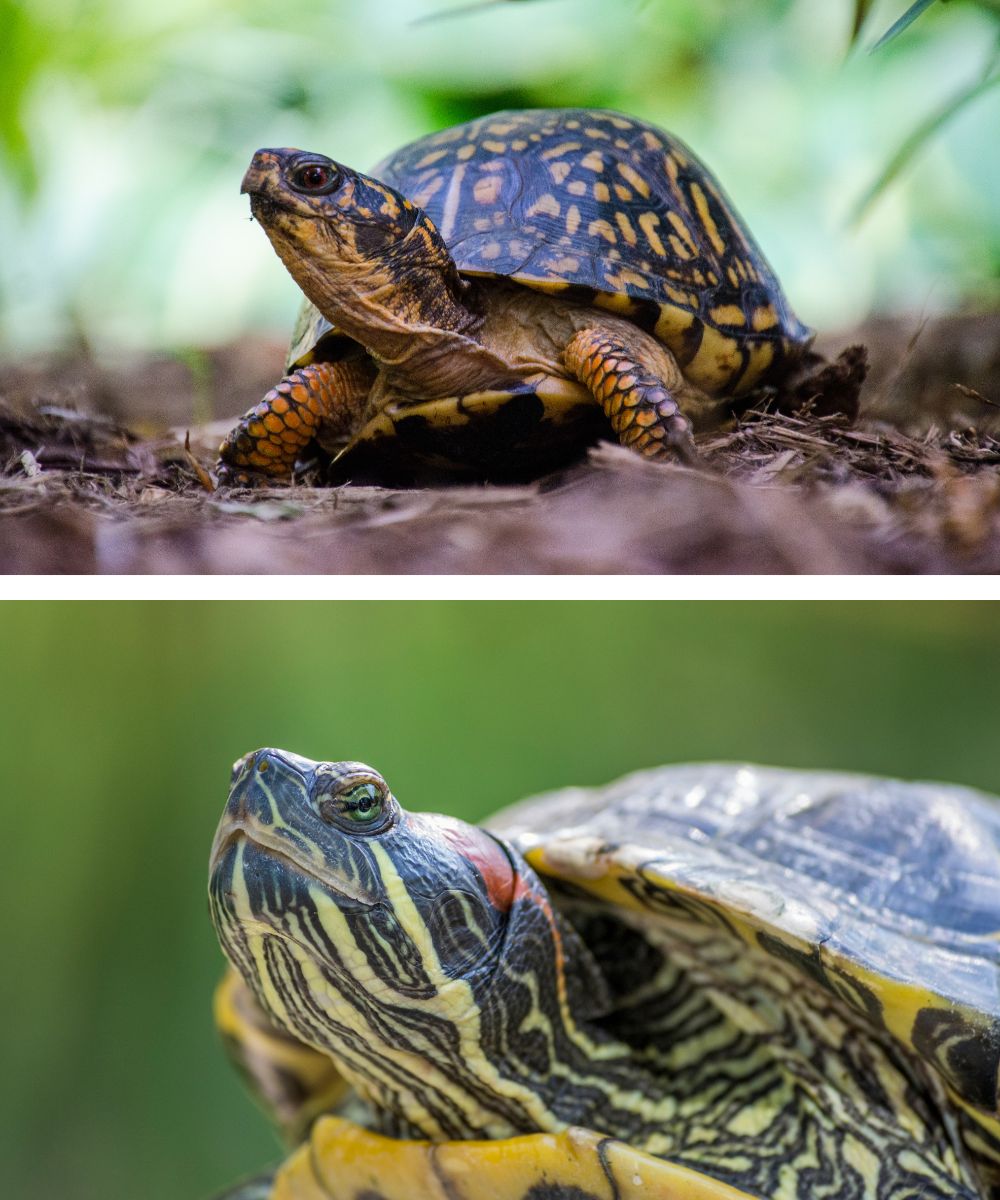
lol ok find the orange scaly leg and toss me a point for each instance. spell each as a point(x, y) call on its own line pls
point(643, 408)
point(324, 400)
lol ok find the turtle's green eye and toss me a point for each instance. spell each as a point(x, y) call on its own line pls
point(364, 805)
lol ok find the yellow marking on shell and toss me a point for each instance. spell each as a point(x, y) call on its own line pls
point(463, 153)
point(492, 250)
point(679, 247)
point(552, 286)
point(519, 144)
point(559, 170)
point(429, 159)
point(651, 141)
point(501, 128)
point(342, 1160)
point(495, 147)
point(574, 124)
point(482, 224)
point(671, 325)
point(572, 219)
point(594, 161)
point(428, 190)
point(629, 173)
point(576, 187)
point(717, 360)
point(732, 276)
point(602, 192)
point(452, 200)
point(562, 149)
point(706, 219)
point(597, 133)
point(546, 204)
point(761, 357)
point(684, 299)
point(728, 314)
point(673, 170)
point(601, 228)
point(616, 302)
point(486, 190)
point(623, 193)
point(626, 278)
point(764, 317)
point(626, 227)
point(648, 222)
point(683, 232)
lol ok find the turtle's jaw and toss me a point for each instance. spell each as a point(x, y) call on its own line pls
point(261, 853)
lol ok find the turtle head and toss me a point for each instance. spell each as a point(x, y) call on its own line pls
point(349, 240)
point(385, 938)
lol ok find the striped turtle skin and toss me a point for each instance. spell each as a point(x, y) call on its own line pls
point(503, 293)
point(700, 981)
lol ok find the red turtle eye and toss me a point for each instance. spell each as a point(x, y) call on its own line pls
point(313, 177)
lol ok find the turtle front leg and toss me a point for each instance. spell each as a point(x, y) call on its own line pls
point(645, 406)
point(325, 401)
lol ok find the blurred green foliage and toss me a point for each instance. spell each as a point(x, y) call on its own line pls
point(121, 721)
point(125, 129)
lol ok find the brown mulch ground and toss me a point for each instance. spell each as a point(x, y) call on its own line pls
point(91, 480)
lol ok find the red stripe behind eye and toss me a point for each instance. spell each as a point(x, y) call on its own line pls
point(504, 885)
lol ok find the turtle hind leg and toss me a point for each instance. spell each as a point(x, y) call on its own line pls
point(323, 401)
point(644, 408)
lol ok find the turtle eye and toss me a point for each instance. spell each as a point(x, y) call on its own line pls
point(361, 807)
point(313, 177)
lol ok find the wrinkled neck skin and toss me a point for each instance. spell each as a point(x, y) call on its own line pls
point(507, 1047)
point(406, 308)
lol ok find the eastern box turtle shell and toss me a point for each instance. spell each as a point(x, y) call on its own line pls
point(499, 294)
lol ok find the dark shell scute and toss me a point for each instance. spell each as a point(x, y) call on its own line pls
point(589, 199)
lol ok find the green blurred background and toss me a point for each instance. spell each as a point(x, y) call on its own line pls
point(121, 722)
point(125, 128)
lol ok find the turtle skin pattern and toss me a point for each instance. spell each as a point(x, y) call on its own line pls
point(802, 971)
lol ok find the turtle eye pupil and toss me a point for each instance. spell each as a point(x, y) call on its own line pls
point(313, 176)
point(362, 804)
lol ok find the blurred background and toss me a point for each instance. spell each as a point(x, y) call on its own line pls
point(125, 128)
point(121, 721)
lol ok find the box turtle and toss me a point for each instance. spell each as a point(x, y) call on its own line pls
point(707, 981)
point(497, 295)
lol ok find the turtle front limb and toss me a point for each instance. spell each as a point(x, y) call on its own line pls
point(646, 408)
point(325, 401)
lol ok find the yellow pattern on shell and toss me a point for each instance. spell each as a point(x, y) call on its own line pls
point(342, 1162)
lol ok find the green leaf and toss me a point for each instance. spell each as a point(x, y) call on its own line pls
point(904, 22)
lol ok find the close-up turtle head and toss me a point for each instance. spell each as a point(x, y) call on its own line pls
point(381, 937)
point(322, 207)
point(351, 243)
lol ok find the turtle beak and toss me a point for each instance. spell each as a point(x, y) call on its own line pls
point(265, 167)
